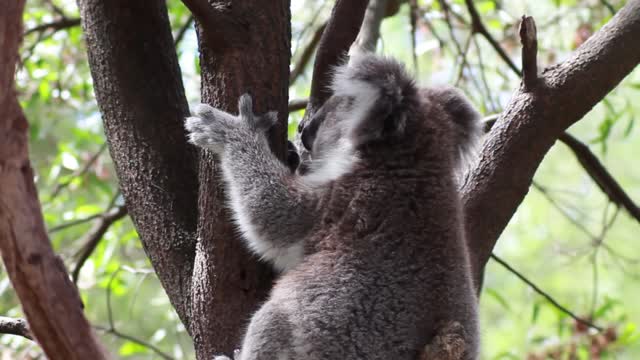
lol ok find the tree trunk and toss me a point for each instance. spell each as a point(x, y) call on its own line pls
point(228, 282)
point(49, 299)
point(139, 90)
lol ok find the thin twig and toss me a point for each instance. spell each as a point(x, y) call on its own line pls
point(54, 26)
point(56, 9)
point(13, 326)
point(413, 20)
point(545, 295)
point(298, 69)
point(478, 26)
point(134, 339)
point(483, 75)
point(183, 31)
point(609, 7)
point(600, 175)
point(81, 171)
point(562, 211)
point(112, 329)
point(73, 223)
point(91, 239)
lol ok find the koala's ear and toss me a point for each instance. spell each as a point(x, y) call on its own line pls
point(467, 126)
point(266, 121)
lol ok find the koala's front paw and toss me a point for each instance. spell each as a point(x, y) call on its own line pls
point(214, 129)
point(210, 127)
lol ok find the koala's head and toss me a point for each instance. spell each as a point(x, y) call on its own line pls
point(377, 109)
point(371, 98)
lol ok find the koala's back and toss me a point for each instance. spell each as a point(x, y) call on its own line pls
point(387, 270)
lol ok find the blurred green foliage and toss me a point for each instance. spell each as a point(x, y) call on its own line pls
point(565, 237)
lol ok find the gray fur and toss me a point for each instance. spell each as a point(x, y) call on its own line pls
point(383, 268)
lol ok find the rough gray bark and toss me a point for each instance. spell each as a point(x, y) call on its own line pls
point(49, 300)
point(139, 89)
point(533, 121)
point(228, 282)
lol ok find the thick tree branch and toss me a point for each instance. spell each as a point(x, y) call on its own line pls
point(369, 33)
point(533, 121)
point(50, 301)
point(139, 91)
point(341, 31)
point(596, 170)
point(224, 27)
point(15, 327)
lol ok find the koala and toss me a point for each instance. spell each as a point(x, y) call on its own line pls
point(369, 239)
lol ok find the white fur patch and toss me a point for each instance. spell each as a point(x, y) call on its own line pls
point(339, 161)
point(364, 94)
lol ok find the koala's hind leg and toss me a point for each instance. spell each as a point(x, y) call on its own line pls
point(450, 343)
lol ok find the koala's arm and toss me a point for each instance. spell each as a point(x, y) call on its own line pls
point(272, 208)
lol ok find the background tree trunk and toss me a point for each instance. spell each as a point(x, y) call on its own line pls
point(50, 301)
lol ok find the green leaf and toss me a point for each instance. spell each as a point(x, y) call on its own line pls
point(608, 305)
point(131, 348)
point(629, 335)
point(499, 298)
point(536, 312)
point(485, 6)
